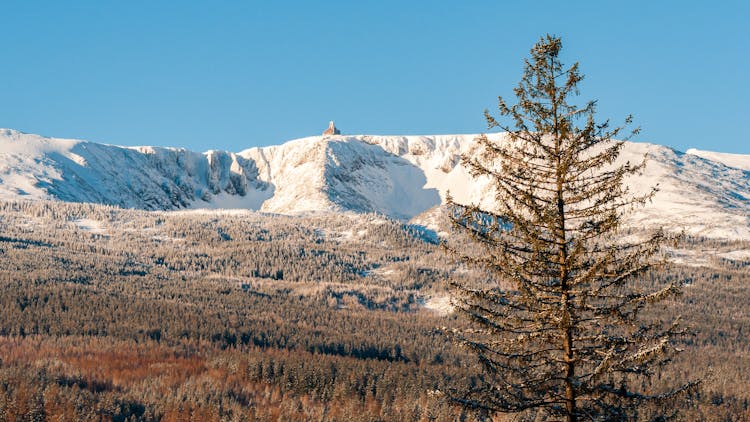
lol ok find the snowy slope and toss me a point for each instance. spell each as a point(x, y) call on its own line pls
point(698, 195)
point(740, 161)
point(341, 173)
point(399, 176)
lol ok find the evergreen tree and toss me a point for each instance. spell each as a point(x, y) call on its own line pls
point(559, 332)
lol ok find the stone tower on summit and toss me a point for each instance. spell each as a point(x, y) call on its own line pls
point(332, 130)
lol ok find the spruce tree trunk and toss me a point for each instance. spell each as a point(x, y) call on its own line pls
point(567, 325)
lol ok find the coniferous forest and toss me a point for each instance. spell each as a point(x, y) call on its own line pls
point(112, 314)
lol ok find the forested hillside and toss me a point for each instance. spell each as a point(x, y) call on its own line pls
point(119, 314)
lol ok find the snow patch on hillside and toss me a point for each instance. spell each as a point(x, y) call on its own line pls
point(439, 304)
point(738, 255)
point(89, 225)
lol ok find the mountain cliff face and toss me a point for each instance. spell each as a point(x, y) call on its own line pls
point(150, 178)
point(701, 192)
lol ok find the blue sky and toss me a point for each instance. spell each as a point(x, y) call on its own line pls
point(235, 74)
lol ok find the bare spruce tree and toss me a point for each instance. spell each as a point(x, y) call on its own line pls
point(559, 334)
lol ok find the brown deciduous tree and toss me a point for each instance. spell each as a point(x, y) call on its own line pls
point(559, 332)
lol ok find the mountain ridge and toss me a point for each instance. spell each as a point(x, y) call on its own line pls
point(704, 193)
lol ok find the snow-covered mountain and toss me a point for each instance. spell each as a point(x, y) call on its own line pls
point(401, 176)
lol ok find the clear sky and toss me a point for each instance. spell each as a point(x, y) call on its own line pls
point(235, 74)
